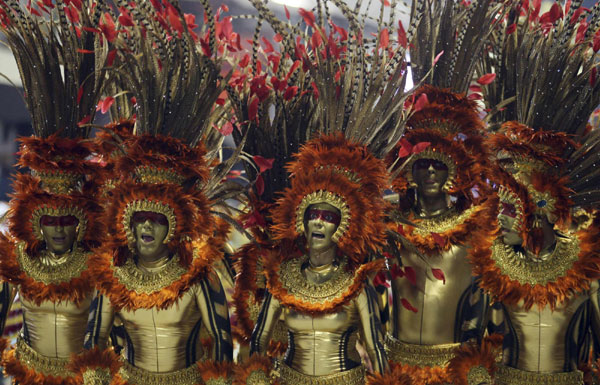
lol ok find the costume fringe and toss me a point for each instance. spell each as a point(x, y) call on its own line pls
point(76, 290)
point(95, 358)
point(577, 279)
point(272, 264)
point(220, 372)
point(122, 297)
point(25, 375)
point(394, 376)
point(427, 375)
point(469, 356)
point(256, 363)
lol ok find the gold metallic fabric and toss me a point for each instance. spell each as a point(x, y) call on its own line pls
point(56, 329)
point(419, 355)
point(138, 376)
point(147, 282)
point(289, 376)
point(436, 301)
point(47, 366)
point(49, 268)
point(542, 334)
point(511, 376)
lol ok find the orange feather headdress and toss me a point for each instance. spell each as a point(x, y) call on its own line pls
point(450, 127)
point(331, 169)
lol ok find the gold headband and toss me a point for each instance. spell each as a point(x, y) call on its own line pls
point(150, 174)
point(508, 196)
point(333, 199)
point(431, 153)
point(146, 205)
point(77, 212)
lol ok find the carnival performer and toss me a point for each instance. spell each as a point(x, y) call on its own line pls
point(543, 271)
point(154, 272)
point(329, 222)
point(52, 219)
point(446, 211)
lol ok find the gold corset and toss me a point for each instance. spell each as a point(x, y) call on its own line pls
point(436, 302)
point(542, 334)
point(320, 341)
point(159, 338)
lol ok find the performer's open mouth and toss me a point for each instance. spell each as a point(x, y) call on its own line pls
point(59, 239)
point(318, 235)
point(147, 238)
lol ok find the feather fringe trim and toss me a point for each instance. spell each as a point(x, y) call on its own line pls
point(92, 359)
point(25, 375)
point(272, 265)
point(394, 376)
point(510, 292)
point(478, 230)
point(75, 291)
point(427, 375)
point(252, 371)
point(122, 297)
point(213, 372)
point(469, 356)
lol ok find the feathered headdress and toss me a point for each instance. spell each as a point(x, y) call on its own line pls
point(170, 166)
point(62, 70)
point(543, 139)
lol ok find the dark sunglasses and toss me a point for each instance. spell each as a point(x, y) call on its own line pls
point(143, 216)
point(508, 210)
point(424, 164)
point(65, 220)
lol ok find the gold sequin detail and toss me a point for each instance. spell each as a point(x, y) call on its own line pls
point(478, 375)
point(47, 366)
point(511, 376)
point(258, 377)
point(442, 223)
point(289, 376)
point(137, 376)
point(536, 271)
point(59, 182)
point(292, 279)
point(335, 200)
point(77, 212)
point(148, 282)
point(147, 205)
point(149, 174)
point(97, 376)
point(218, 381)
point(419, 355)
point(75, 263)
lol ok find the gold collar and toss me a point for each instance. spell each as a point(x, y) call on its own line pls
point(71, 265)
point(442, 223)
point(526, 269)
point(143, 281)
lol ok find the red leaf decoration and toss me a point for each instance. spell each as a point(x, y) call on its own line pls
point(380, 280)
point(475, 96)
point(475, 88)
point(441, 241)
point(384, 38)
point(263, 164)
point(405, 148)
point(401, 230)
point(439, 275)
point(402, 35)
point(422, 101)
point(287, 13)
point(437, 57)
point(596, 44)
point(593, 76)
point(396, 271)
point(411, 275)
point(290, 92)
point(309, 17)
point(255, 219)
point(245, 61)
point(268, 46)
point(260, 185)
point(79, 94)
point(107, 26)
point(105, 104)
point(226, 129)
point(407, 305)
point(125, 18)
point(253, 110)
point(84, 51)
point(110, 58)
point(486, 79)
point(419, 147)
point(86, 119)
point(387, 255)
point(511, 28)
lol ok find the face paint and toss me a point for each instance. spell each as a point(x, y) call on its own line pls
point(327, 216)
point(59, 232)
point(65, 220)
point(150, 231)
point(143, 216)
point(321, 223)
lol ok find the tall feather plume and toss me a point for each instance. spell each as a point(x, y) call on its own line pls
point(547, 64)
point(459, 30)
point(60, 61)
point(173, 74)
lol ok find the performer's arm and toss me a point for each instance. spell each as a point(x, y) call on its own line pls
point(213, 306)
point(7, 296)
point(371, 329)
point(100, 322)
point(595, 315)
point(268, 316)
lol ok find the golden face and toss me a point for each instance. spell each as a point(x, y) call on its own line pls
point(59, 232)
point(322, 220)
point(430, 176)
point(507, 218)
point(150, 231)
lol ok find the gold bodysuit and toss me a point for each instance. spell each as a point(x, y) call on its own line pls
point(323, 347)
point(167, 341)
point(547, 346)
